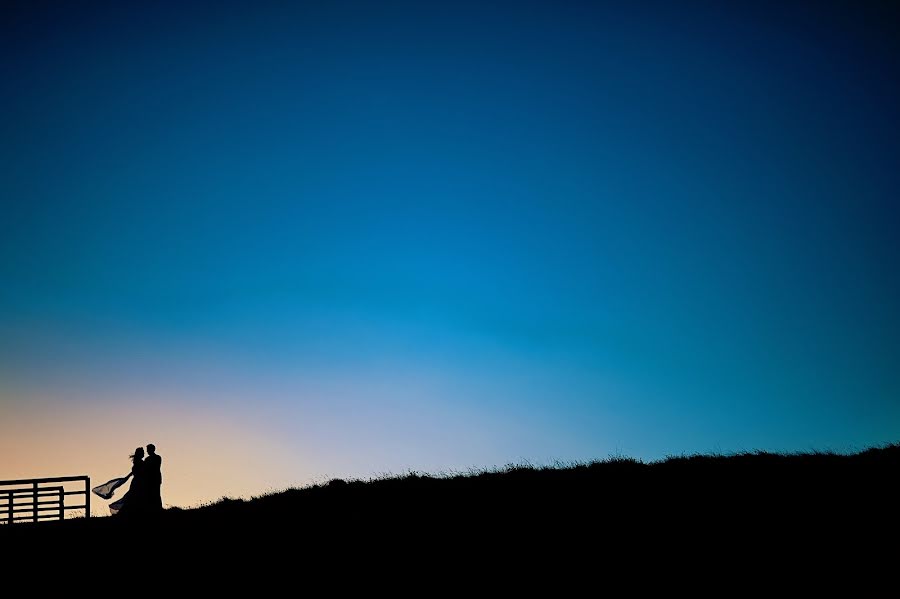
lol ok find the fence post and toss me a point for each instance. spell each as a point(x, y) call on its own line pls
point(34, 504)
point(62, 507)
point(10, 503)
point(87, 496)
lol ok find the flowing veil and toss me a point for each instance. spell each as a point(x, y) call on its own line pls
point(107, 489)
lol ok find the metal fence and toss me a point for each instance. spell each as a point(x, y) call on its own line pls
point(37, 499)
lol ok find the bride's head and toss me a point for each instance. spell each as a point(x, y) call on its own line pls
point(138, 455)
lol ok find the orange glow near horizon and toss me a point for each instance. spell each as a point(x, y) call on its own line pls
point(206, 456)
point(224, 433)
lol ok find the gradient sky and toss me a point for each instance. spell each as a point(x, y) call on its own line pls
point(289, 241)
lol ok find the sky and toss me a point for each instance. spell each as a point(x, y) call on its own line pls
point(292, 241)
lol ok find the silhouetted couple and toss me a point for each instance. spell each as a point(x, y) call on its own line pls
point(144, 496)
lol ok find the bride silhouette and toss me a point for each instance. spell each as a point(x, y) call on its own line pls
point(135, 501)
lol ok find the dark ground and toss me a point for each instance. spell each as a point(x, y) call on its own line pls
point(747, 517)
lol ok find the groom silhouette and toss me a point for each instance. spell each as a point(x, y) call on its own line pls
point(153, 465)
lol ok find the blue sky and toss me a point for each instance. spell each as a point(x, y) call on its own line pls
point(407, 235)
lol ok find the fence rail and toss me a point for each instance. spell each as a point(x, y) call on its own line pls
point(36, 499)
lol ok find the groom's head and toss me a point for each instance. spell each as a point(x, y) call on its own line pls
point(151, 449)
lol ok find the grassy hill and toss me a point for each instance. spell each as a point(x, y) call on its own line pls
point(618, 509)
